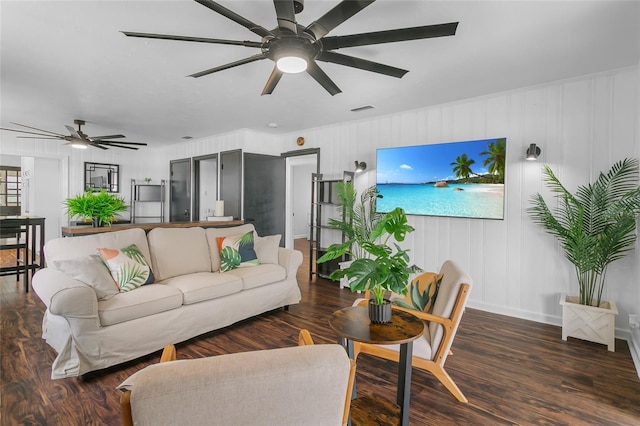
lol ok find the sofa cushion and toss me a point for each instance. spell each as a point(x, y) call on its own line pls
point(213, 233)
point(146, 300)
point(267, 248)
point(91, 271)
point(204, 286)
point(178, 251)
point(71, 248)
point(128, 267)
point(236, 251)
point(259, 275)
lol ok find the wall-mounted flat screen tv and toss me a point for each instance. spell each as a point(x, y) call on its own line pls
point(457, 179)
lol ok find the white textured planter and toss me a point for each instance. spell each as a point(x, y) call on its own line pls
point(344, 281)
point(591, 323)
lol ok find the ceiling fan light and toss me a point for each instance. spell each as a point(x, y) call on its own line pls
point(79, 145)
point(291, 64)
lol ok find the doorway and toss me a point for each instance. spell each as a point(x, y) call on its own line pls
point(231, 182)
point(44, 183)
point(206, 185)
point(300, 165)
point(180, 191)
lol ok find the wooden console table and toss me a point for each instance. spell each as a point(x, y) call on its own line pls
point(76, 231)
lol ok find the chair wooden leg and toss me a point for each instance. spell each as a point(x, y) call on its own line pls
point(168, 354)
point(426, 365)
point(349, 397)
point(448, 382)
point(125, 408)
point(304, 338)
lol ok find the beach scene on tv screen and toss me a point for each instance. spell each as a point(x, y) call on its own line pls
point(459, 179)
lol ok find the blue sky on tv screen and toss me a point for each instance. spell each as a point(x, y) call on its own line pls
point(427, 163)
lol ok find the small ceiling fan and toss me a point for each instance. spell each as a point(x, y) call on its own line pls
point(77, 138)
point(295, 48)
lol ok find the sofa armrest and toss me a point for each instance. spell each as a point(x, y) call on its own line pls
point(64, 295)
point(290, 260)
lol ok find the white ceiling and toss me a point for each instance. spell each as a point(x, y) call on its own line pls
point(62, 60)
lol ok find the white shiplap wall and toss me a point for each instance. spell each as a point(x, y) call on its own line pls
point(583, 125)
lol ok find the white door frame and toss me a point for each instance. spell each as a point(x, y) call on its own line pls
point(291, 163)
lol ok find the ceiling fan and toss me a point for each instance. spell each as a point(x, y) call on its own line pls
point(77, 138)
point(295, 48)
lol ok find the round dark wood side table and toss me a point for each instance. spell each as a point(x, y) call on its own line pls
point(352, 324)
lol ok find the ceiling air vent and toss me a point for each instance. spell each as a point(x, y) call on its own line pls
point(362, 108)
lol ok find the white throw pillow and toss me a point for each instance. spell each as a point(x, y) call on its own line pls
point(267, 248)
point(91, 271)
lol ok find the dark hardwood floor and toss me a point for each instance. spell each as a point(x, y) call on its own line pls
point(514, 372)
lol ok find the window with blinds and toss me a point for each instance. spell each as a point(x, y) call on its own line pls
point(10, 184)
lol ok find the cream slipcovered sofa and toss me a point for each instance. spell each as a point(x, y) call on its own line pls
point(91, 331)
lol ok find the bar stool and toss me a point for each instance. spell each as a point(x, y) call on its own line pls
point(10, 239)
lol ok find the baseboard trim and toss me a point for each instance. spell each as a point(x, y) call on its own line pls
point(517, 313)
point(634, 348)
point(631, 336)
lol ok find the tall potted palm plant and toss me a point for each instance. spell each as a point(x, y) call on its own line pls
point(595, 226)
point(379, 263)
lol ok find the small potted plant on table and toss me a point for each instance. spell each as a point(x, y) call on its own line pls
point(99, 207)
point(376, 265)
point(595, 226)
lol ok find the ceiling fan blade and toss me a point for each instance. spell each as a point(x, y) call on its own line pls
point(100, 141)
point(34, 128)
point(112, 145)
point(390, 36)
point(196, 39)
point(363, 64)
point(108, 137)
point(230, 65)
point(274, 78)
point(33, 137)
point(316, 72)
point(336, 16)
point(34, 133)
point(261, 31)
point(97, 146)
point(286, 15)
point(75, 133)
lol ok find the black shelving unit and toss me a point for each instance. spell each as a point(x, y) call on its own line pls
point(323, 207)
point(147, 194)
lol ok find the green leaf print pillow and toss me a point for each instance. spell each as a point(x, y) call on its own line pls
point(422, 293)
point(128, 267)
point(236, 251)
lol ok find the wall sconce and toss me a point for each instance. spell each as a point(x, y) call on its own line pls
point(360, 166)
point(533, 152)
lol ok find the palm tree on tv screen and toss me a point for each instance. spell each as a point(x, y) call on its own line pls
point(496, 158)
point(462, 166)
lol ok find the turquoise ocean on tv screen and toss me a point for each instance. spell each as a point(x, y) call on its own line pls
point(468, 200)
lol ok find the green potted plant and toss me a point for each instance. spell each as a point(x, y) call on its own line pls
point(595, 226)
point(376, 265)
point(99, 207)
